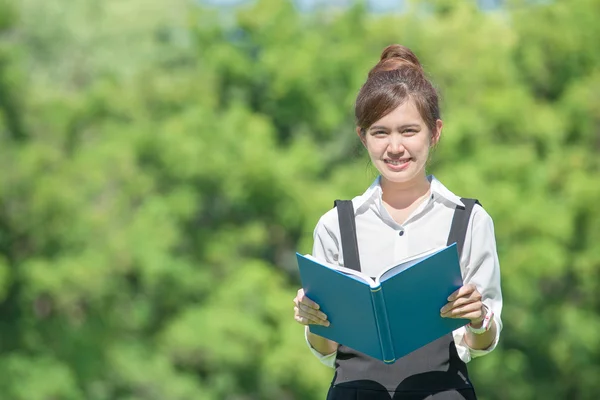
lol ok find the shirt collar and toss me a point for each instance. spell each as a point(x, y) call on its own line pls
point(374, 193)
point(439, 190)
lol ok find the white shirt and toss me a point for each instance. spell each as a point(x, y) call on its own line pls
point(382, 241)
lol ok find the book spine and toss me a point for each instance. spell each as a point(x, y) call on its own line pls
point(383, 326)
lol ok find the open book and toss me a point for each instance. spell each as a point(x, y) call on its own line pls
point(391, 314)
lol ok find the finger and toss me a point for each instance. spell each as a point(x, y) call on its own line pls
point(470, 311)
point(319, 318)
point(306, 301)
point(461, 301)
point(303, 320)
point(299, 296)
point(462, 291)
point(474, 316)
point(313, 319)
point(312, 312)
point(307, 320)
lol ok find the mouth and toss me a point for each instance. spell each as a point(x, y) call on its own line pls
point(398, 163)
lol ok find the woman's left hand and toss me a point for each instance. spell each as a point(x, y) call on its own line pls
point(465, 303)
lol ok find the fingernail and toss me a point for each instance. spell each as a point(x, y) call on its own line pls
point(327, 323)
point(322, 316)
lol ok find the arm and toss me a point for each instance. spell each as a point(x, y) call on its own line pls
point(306, 311)
point(320, 344)
point(483, 341)
point(482, 287)
point(466, 303)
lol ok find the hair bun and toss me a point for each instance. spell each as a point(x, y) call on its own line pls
point(397, 51)
point(396, 56)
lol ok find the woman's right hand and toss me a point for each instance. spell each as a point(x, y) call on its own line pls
point(307, 311)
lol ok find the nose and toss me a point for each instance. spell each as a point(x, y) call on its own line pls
point(395, 145)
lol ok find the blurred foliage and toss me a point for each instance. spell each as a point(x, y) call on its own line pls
point(161, 163)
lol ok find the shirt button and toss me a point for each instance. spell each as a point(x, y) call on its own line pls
point(401, 233)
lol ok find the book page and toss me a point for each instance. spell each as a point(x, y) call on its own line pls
point(346, 271)
point(406, 263)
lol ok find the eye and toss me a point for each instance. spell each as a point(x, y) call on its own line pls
point(379, 133)
point(410, 132)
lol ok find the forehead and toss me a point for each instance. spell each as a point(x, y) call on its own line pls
point(405, 113)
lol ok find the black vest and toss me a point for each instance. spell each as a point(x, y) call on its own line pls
point(434, 371)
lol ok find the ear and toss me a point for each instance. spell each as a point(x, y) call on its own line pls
point(435, 136)
point(361, 136)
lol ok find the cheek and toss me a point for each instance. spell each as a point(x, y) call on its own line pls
point(375, 146)
point(419, 145)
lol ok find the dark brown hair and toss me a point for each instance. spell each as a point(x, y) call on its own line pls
point(397, 77)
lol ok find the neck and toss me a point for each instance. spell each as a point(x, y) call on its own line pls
point(403, 195)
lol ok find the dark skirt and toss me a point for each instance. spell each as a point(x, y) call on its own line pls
point(351, 393)
point(433, 372)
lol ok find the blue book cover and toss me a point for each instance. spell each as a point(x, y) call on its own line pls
point(390, 315)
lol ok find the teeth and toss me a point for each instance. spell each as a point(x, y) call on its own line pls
point(396, 162)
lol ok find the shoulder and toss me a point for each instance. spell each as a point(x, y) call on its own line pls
point(328, 225)
point(481, 223)
point(328, 221)
point(480, 215)
point(326, 237)
point(478, 218)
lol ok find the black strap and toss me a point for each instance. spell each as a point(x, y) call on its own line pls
point(347, 223)
point(458, 229)
point(460, 222)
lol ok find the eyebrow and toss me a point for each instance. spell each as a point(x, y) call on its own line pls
point(401, 127)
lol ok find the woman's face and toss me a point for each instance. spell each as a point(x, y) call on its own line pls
point(399, 143)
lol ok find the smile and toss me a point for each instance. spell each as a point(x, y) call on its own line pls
point(397, 162)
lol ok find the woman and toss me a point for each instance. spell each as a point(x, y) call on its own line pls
point(403, 213)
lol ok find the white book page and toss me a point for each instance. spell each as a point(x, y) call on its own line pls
point(347, 271)
point(405, 264)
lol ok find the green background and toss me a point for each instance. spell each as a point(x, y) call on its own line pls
point(161, 162)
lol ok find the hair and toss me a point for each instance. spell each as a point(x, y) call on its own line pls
point(397, 77)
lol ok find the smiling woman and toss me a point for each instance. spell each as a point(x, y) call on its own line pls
point(403, 213)
point(399, 143)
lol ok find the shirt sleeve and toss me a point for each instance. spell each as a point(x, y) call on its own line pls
point(481, 268)
point(325, 248)
point(326, 359)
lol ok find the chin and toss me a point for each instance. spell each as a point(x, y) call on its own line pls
point(398, 178)
point(409, 175)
